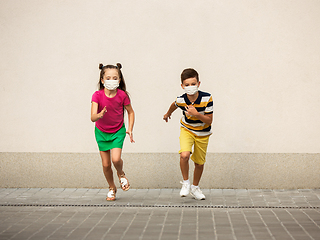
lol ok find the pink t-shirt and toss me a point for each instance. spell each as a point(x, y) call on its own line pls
point(112, 120)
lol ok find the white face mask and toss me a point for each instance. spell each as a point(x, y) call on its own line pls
point(191, 90)
point(111, 84)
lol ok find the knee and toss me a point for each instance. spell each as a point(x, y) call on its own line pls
point(116, 161)
point(198, 166)
point(106, 167)
point(184, 156)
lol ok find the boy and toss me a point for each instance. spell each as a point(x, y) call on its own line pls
point(197, 108)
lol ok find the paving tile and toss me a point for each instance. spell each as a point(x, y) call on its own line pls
point(159, 214)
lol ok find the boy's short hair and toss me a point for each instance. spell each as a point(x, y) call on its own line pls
point(189, 73)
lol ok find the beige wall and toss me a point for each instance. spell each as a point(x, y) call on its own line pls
point(259, 59)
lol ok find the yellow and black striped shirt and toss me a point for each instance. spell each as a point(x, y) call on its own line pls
point(204, 105)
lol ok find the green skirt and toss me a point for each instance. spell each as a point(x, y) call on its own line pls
point(107, 141)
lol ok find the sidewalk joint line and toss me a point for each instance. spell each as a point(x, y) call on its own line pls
point(155, 206)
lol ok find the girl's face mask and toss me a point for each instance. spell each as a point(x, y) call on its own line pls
point(191, 90)
point(111, 84)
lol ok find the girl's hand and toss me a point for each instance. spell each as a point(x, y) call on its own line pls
point(166, 116)
point(103, 111)
point(191, 110)
point(131, 136)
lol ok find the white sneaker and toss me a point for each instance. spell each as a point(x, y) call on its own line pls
point(196, 193)
point(185, 190)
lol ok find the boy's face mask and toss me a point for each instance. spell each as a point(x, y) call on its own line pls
point(191, 90)
point(111, 84)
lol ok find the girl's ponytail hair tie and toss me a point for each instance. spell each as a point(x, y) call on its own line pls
point(100, 66)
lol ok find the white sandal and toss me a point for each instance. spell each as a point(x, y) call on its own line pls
point(124, 182)
point(111, 196)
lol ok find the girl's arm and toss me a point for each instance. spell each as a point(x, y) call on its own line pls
point(131, 121)
point(172, 108)
point(95, 116)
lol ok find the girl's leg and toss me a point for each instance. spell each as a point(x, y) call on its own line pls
point(117, 161)
point(107, 170)
point(118, 164)
point(184, 164)
point(198, 170)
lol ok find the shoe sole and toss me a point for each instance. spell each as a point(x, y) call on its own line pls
point(196, 197)
point(184, 195)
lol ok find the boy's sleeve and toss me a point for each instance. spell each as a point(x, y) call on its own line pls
point(175, 102)
point(209, 107)
point(180, 103)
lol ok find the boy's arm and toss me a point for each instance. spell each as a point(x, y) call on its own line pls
point(172, 108)
point(207, 118)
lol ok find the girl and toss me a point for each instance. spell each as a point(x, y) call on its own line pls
point(107, 111)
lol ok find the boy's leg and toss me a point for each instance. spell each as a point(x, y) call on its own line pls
point(199, 158)
point(198, 170)
point(107, 170)
point(194, 189)
point(186, 142)
point(184, 164)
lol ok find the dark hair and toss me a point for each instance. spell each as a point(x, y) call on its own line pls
point(189, 73)
point(122, 84)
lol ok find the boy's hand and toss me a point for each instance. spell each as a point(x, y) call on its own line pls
point(166, 116)
point(191, 110)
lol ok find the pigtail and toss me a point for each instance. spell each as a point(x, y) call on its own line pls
point(122, 84)
point(100, 85)
point(119, 65)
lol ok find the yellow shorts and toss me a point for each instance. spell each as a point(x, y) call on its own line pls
point(187, 140)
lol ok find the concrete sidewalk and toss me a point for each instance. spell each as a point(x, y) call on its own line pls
point(57, 213)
